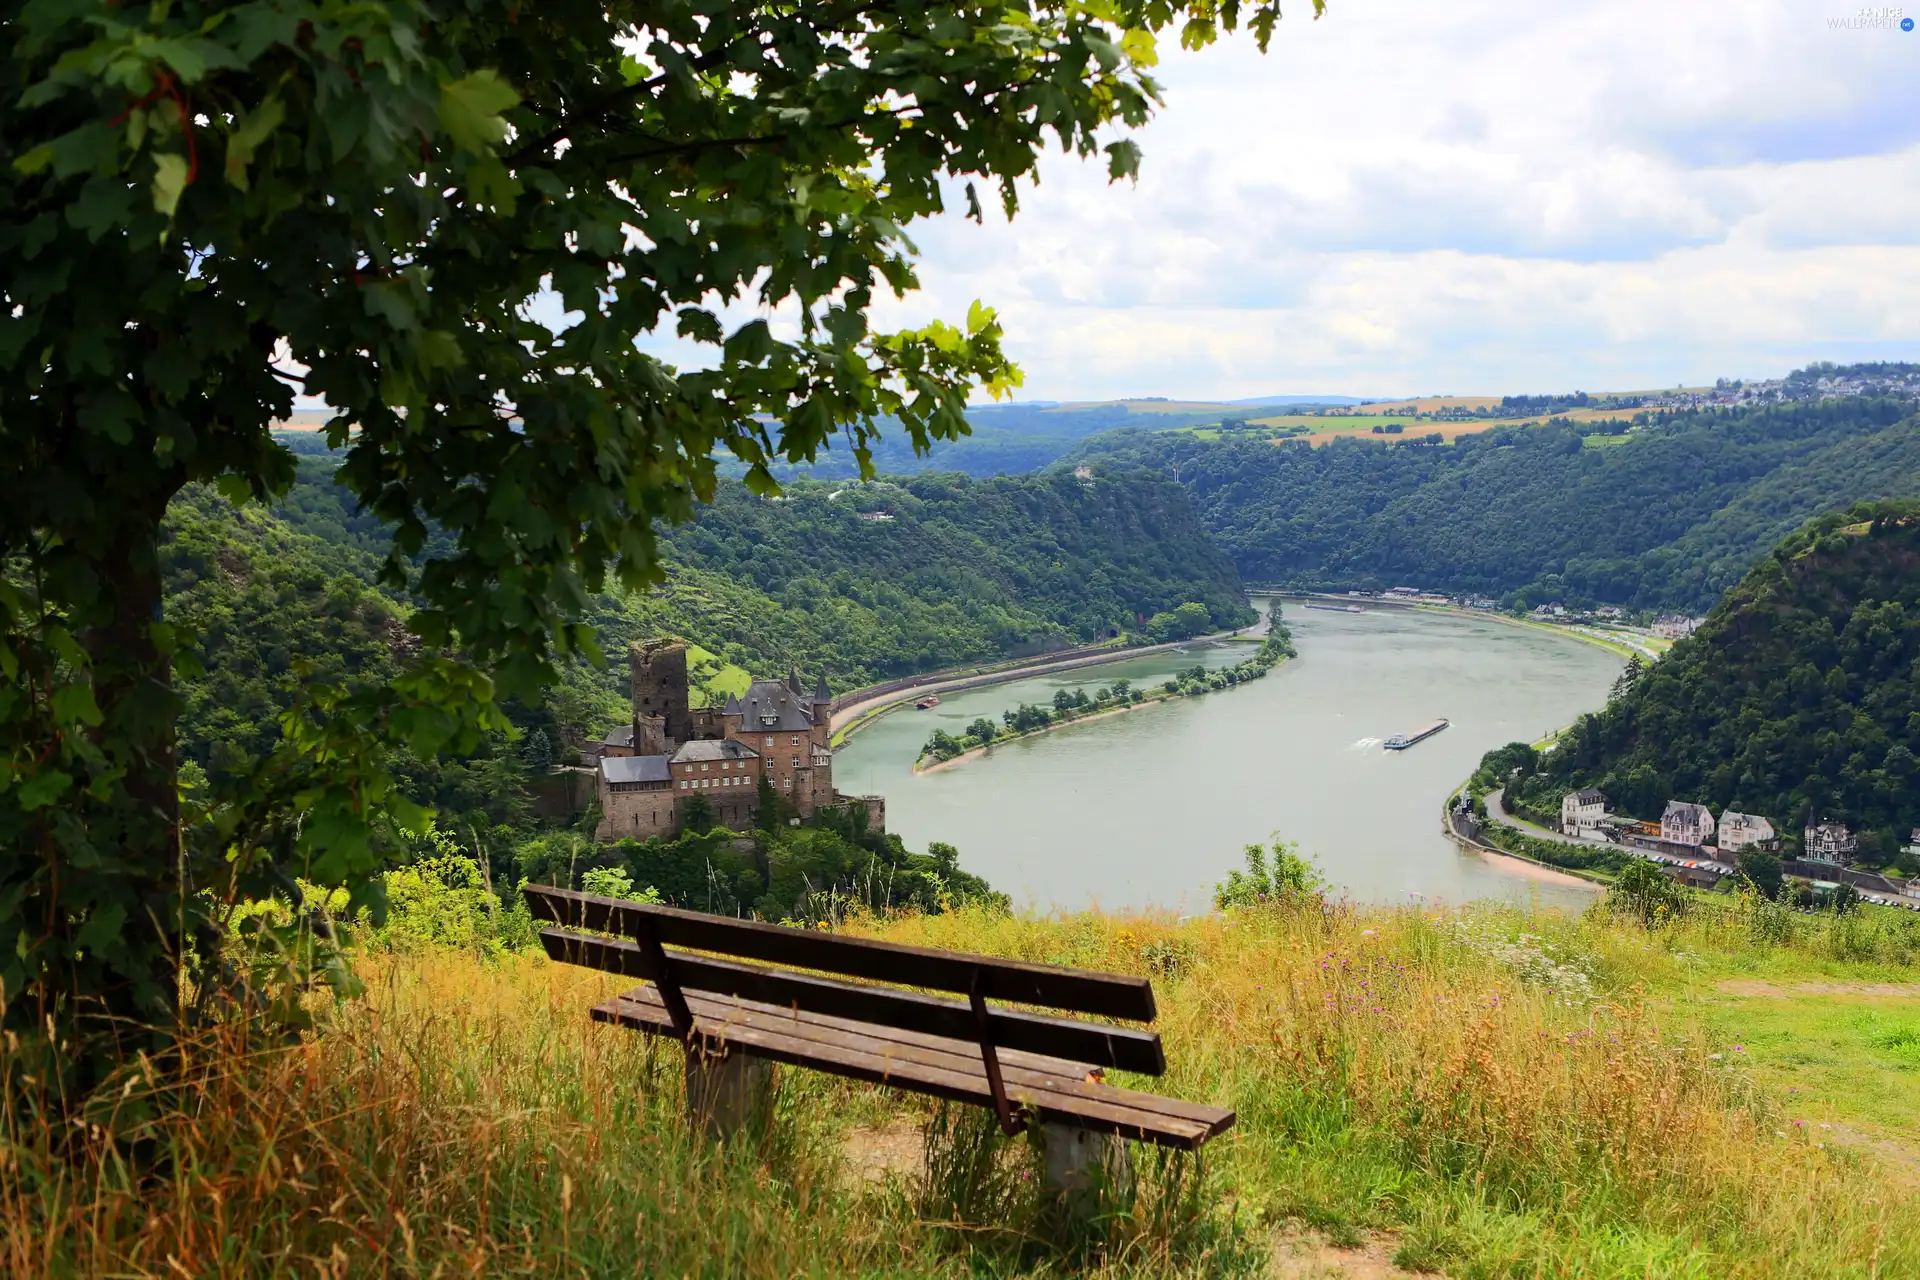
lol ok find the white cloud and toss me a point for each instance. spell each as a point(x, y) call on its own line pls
point(1479, 196)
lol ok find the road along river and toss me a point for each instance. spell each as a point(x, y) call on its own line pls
point(1151, 808)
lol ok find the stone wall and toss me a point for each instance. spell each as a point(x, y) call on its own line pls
point(639, 813)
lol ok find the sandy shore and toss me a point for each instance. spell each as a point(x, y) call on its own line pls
point(1534, 870)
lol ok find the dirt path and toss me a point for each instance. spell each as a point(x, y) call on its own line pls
point(1311, 1256)
point(1785, 991)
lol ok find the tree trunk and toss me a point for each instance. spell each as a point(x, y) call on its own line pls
point(140, 827)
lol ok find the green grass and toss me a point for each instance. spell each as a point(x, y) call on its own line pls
point(1502, 1092)
point(1828, 1056)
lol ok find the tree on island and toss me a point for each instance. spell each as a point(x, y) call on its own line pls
point(214, 205)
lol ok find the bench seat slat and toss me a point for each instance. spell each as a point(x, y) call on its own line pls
point(1117, 1048)
point(1108, 995)
point(924, 1064)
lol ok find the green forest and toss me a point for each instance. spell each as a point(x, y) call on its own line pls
point(1798, 698)
point(859, 582)
point(1667, 517)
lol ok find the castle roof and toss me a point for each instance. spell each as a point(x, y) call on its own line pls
point(621, 736)
point(733, 707)
point(1589, 795)
point(774, 705)
point(714, 749)
point(635, 769)
point(820, 693)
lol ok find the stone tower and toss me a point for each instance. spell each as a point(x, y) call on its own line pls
point(660, 692)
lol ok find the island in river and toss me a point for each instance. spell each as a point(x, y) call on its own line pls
point(1151, 808)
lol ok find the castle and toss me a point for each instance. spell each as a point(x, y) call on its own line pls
point(673, 751)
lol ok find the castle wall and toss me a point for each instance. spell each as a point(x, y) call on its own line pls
point(639, 813)
point(659, 670)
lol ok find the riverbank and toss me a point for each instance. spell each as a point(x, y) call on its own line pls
point(1027, 721)
point(1621, 647)
point(1519, 864)
point(856, 716)
point(921, 766)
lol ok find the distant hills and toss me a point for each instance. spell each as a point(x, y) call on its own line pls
point(1666, 516)
point(1797, 699)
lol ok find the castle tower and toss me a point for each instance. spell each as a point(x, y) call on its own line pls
point(822, 707)
point(660, 690)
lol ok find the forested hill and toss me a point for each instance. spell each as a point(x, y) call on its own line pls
point(864, 582)
point(902, 575)
point(1799, 696)
point(1668, 516)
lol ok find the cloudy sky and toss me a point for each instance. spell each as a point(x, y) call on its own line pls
point(1474, 197)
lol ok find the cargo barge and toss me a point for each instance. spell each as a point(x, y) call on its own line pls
point(1401, 741)
point(1337, 608)
point(927, 703)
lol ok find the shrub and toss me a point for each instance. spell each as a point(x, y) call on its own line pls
point(1287, 878)
point(1644, 891)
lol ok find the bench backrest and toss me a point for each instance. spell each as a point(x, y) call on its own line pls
point(644, 932)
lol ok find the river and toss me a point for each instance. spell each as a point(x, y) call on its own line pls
point(1151, 808)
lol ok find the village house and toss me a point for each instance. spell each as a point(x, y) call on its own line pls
point(672, 751)
point(1829, 842)
point(1583, 812)
point(1688, 824)
point(1745, 831)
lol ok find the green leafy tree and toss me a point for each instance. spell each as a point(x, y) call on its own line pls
point(983, 731)
point(1640, 889)
point(1062, 700)
point(211, 203)
point(537, 752)
point(1763, 869)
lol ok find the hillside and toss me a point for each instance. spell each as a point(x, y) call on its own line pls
point(1666, 517)
point(1477, 1092)
point(1797, 698)
point(1011, 439)
point(863, 583)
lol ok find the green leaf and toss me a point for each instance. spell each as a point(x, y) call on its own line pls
point(34, 161)
point(259, 123)
point(470, 109)
point(43, 788)
point(74, 704)
point(169, 182)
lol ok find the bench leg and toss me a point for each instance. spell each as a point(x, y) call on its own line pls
point(1084, 1166)
point(727, 1094)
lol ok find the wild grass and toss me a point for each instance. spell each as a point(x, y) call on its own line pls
point(1496, 1087)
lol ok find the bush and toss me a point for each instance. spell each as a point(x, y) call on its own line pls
point(1644, 891)
point(1287, 878)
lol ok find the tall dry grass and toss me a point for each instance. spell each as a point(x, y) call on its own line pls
point(1490, 1084)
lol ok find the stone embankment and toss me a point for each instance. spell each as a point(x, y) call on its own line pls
point(860, 707)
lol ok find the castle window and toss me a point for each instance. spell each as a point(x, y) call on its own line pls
point(796, 740)
point(769, 739)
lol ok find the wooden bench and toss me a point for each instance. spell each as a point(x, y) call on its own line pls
point(1025, 1067)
